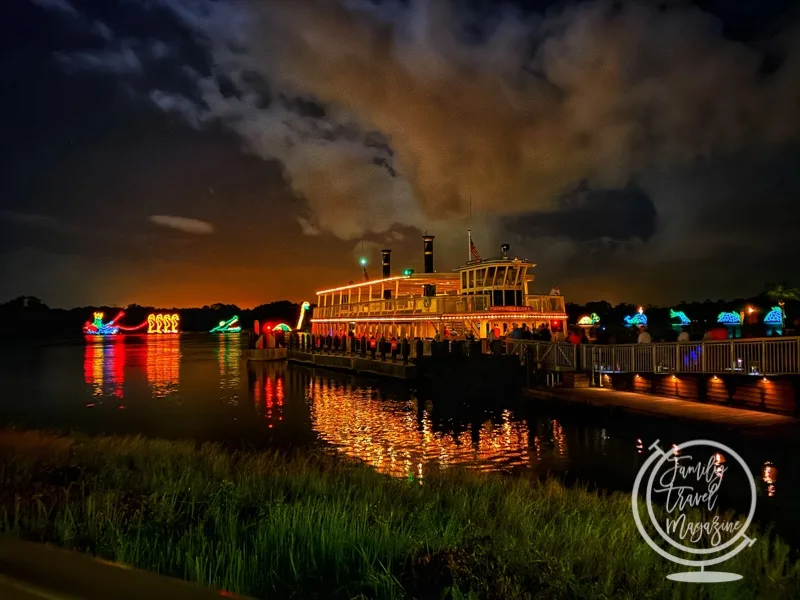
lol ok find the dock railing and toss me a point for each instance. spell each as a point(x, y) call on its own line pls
point(751, 356)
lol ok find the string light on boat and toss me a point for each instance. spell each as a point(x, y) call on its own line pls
point(362, 284)
point(464, 317)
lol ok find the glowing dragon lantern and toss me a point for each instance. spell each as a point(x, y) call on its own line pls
point(639, 319)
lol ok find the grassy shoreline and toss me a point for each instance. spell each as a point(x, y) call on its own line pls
point(270, 525)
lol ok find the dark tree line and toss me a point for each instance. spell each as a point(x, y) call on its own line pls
point(29, 315)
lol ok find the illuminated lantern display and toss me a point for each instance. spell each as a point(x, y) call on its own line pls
point(733, 321)
point(639, 319)
point(155, 323)
point(729, 318)
point(303, 315)
point(680, 316)
point(97, 327)
point(774, 321)
point(282, 327)
point(229, 326)
point(158, 323)
point(589, 320)
point(774, 316)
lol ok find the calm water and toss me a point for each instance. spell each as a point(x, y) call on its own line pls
point(198, 386)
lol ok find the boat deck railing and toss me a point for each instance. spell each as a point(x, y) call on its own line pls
point(434, 306)
point(545, 304)
point(752, 356)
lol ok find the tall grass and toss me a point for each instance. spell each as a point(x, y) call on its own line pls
point(271, 525)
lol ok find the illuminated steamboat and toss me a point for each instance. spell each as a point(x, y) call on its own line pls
point(476, 298)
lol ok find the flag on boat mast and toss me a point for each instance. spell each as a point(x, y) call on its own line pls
point(473, 251)
point(363, 262)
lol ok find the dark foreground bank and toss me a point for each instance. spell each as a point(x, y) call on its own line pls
point(268, 525)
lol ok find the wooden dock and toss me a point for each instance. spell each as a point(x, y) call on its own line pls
point(743, 420)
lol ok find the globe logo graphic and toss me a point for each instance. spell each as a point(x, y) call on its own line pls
point(686, 479)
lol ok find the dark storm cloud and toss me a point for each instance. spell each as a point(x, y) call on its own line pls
point(585, 214)
point(508, 116)
point(396, 115)
point(57, 5)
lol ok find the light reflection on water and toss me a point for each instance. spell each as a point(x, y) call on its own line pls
point(229, 354)
point(163, 360)
point(199, 386)
point(104, 366)
point(267, 386)
point(398, 438)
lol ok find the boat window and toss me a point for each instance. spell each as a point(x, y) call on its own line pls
point(518, 298)
point(463, 279)
point(511, 275)
point(480, 275)
point(501, 276)
point(471, 279)
point(508, 297)
point(497, 298)
point(489, 276)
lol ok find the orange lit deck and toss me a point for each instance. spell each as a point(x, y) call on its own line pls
point(744, 421)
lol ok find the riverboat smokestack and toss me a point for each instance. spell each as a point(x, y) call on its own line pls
point(427, 241)
point(430, 289)
point(386, 263)
point(387, 270)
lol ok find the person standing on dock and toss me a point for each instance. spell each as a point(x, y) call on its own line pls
point(644, 336)
point(683, 336)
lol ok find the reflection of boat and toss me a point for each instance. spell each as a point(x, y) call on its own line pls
point(398, 440)
point(480, 296)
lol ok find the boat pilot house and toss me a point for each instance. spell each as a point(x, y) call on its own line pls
point(474, 299)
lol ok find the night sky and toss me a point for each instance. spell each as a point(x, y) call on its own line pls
point(186, 152)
